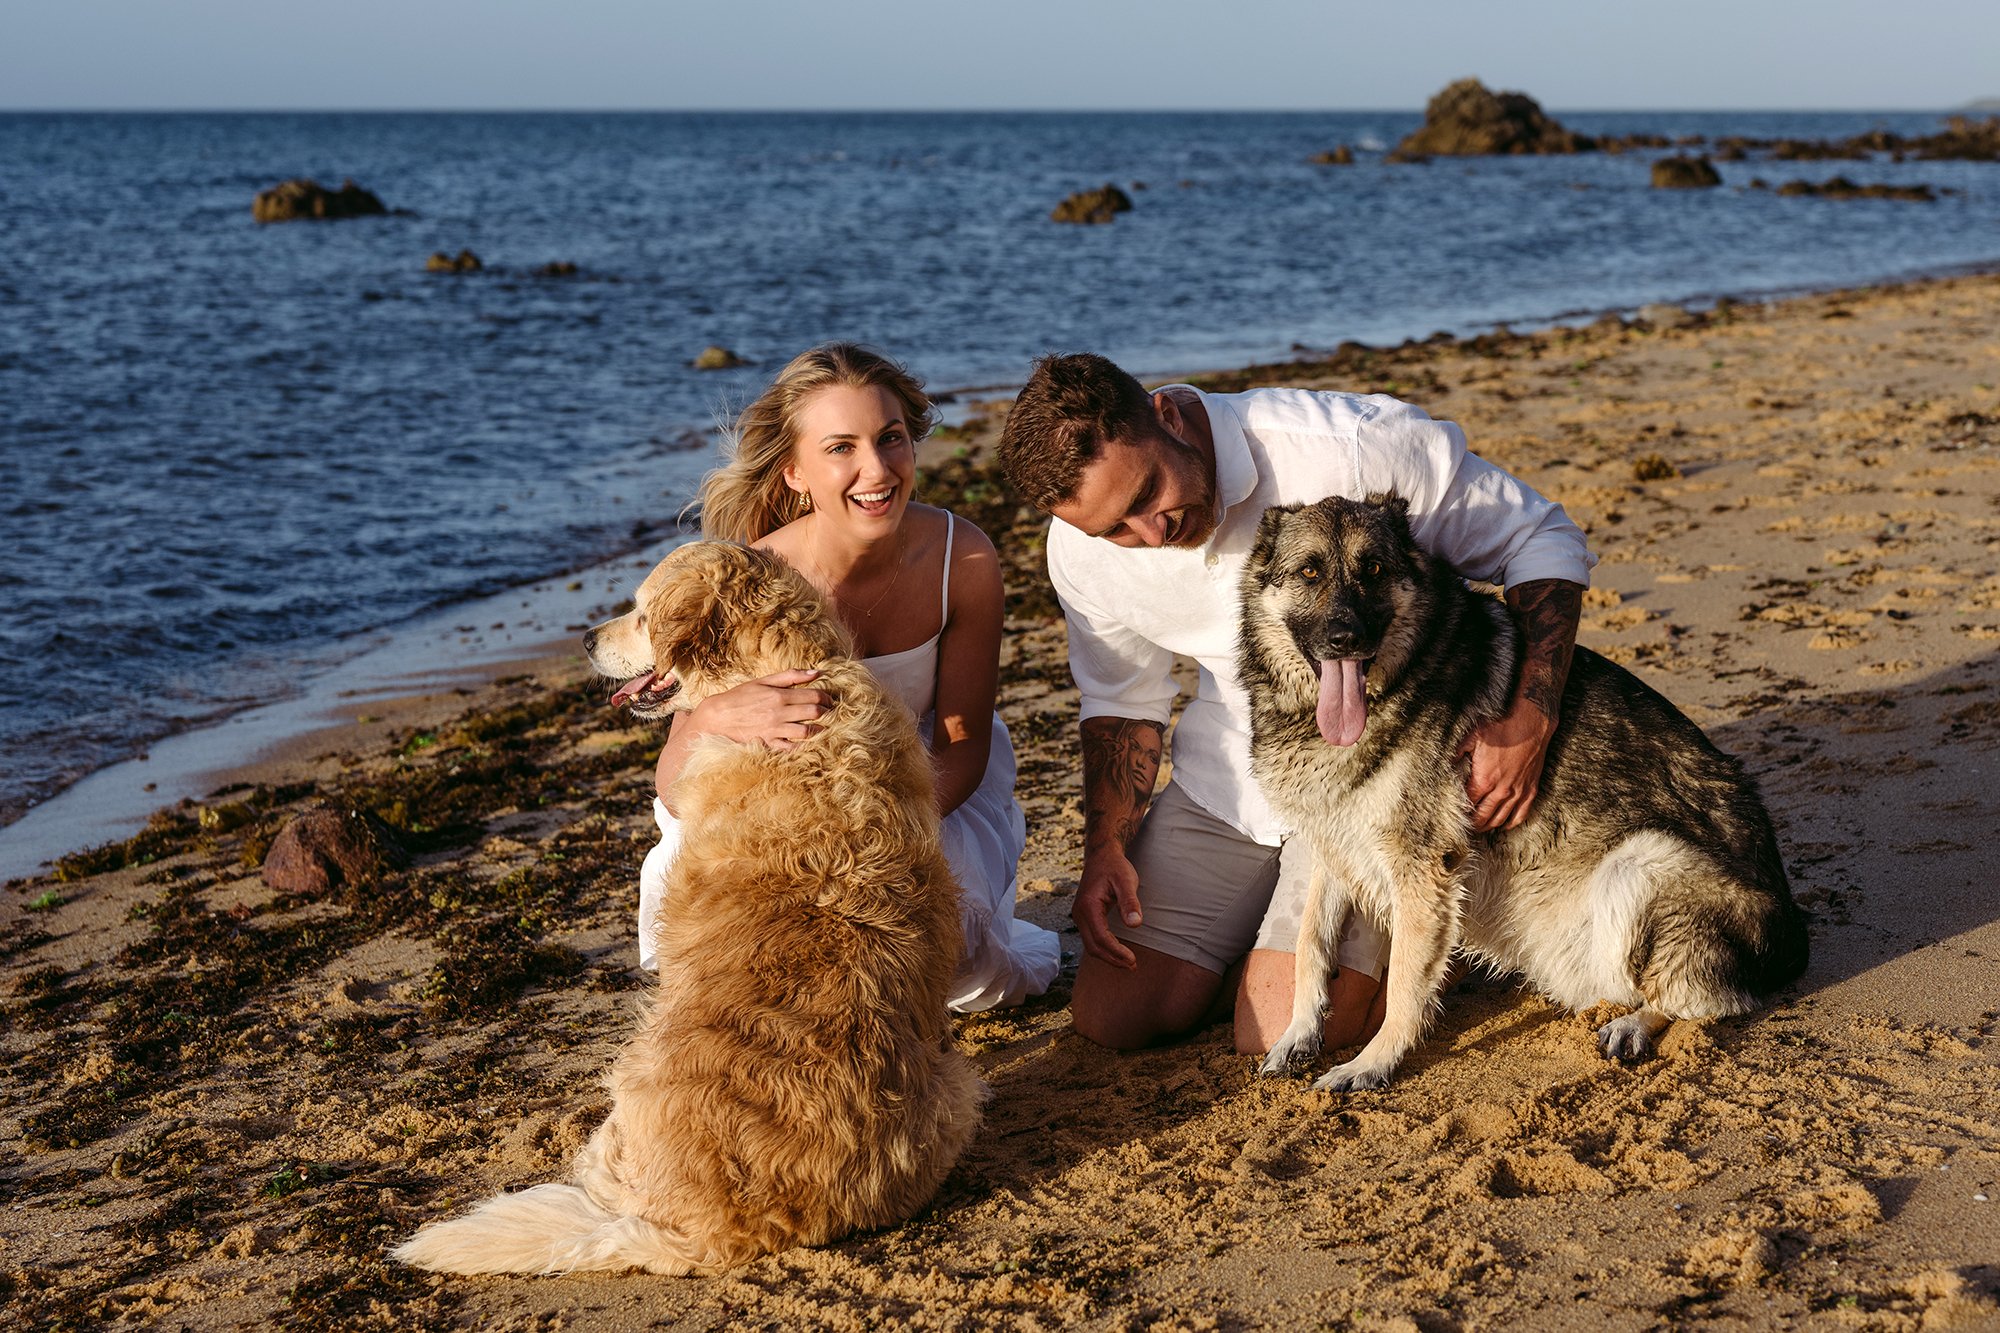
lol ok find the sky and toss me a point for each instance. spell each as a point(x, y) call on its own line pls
point(991, 54)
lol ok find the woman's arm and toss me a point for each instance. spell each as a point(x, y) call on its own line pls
point(776, 710)
point(968, 673)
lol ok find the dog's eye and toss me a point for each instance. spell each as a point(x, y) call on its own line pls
point(1374, 569)
point(1310, 573)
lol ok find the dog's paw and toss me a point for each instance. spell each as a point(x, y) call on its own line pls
point(1628, 1038)
point(1351, 1077)
point(1287, 1055)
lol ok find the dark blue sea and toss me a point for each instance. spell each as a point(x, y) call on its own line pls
point(227, 450)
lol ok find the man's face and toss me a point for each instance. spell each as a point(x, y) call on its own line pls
point(1155, 491)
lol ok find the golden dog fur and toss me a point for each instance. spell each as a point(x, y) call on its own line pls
point(793, 1077)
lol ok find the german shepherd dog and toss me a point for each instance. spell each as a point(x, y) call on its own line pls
point(1647, 873)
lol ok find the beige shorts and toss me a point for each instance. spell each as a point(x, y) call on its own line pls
point(1209, 894)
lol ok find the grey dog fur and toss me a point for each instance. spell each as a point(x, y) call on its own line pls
point(1647, 873)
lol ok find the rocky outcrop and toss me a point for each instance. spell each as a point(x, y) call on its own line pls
point(713, 357)
point(1825, 150)
point(1467, 119)
point(309, 201)
point(1341, 156)
point(328, 846)
point(1963, 138)
point(1093, 207)
point(1685, 173)
point(1625, 143)
point(463, 262)
point(558, 268)
point(1842, 188)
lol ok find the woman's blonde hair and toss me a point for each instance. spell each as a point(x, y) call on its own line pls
point(747, 497)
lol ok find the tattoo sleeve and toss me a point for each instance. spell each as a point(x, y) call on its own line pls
point(1121, 759)
point(1548, 610)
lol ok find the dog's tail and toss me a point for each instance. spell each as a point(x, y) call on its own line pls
point(548, 1229)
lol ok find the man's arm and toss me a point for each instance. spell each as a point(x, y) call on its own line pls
point(1121, 761)
point(1507, 752)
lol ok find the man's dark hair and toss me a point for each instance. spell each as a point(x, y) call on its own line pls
point(1070, 408)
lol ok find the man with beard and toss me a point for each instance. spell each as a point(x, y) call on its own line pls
point(1156, 499)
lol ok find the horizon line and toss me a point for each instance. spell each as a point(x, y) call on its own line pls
point(1977, 104)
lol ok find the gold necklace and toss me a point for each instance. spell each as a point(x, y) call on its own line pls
point(868, 613)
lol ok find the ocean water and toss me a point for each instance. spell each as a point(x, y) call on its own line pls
point(227, 450)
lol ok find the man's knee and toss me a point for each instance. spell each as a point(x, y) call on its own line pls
point(1264, 1004)
point(1126, 1010)
point(1117, 1028)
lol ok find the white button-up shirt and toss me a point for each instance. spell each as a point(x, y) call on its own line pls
point(1131, 610)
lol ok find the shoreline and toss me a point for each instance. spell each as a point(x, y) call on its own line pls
point(413, 673)
point(188, 763)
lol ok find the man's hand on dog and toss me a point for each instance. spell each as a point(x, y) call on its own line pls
point(1506, 767)
point(1109, 884)
point(775, 710)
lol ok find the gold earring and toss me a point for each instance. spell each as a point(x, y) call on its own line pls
point(805, 502)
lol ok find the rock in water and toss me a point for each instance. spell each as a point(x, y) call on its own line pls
point(463, 262)
point(717, 358)
point(328, 846)
point(309, 201)
point(1343, 156)
point(1842, 188)
point(1685, 173)
point(1468, 120)
point(1093, 206)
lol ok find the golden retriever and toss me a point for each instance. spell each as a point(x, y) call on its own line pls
point(793, 1077)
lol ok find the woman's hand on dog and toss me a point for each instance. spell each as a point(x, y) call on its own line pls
point(775, 711)
point(1109, 883)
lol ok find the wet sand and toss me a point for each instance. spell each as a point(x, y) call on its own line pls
point(221, 1103)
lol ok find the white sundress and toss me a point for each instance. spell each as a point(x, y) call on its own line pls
point(1006, 960)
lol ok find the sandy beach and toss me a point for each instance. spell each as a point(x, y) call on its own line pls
point(222, 1103)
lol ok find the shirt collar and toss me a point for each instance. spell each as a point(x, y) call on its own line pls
point(1235, 471)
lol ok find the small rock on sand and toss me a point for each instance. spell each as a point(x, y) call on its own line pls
point(329, 846)
point(1665, 315)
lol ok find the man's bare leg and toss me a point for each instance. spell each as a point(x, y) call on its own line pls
point(1264, 1004)
point(1128, 1008)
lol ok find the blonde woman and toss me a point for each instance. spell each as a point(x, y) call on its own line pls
point(820, 472)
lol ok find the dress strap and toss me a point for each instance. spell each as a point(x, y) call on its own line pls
point(944, 593)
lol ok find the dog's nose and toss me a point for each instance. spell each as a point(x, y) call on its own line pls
point(1340, 634)
point(590, 641)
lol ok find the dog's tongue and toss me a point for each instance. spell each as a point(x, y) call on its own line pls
point(1343, 701)
point(633, 686)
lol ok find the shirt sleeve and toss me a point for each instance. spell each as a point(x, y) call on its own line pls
point(1488, 523)
point(1118, 672)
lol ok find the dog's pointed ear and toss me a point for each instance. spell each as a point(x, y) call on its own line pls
point(1391, 503)
point(1266, 544)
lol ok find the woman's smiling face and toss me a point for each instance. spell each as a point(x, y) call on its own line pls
point(854, 455)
